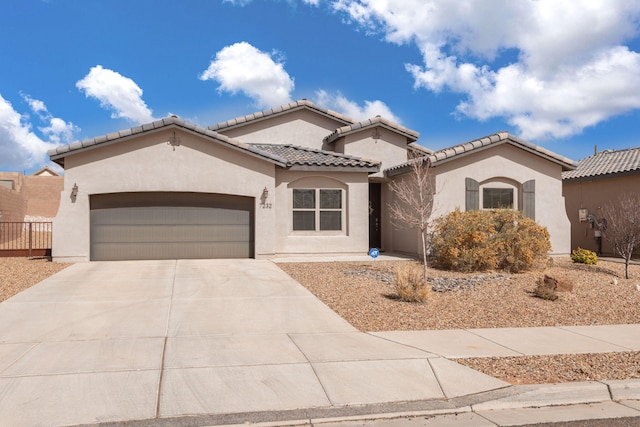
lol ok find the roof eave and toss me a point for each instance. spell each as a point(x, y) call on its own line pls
point(319, 168)
point(277, 111)
point(336, 135)
point(125, 135)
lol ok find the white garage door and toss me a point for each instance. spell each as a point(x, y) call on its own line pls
point(159, 225)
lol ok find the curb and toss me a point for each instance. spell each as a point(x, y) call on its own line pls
point(524, 397)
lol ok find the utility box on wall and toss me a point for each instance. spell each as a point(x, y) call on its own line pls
point(583, 214)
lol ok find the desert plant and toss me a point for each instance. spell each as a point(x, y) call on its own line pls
point(546, 289)
point(411, 285)
point(489, 239)
point(584, 256)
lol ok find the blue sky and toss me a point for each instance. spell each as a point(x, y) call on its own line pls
point(563, 75)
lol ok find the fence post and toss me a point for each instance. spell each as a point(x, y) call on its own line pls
point(30, 239)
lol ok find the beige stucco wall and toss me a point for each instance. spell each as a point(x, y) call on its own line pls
point(148, 163)
point(354, 238)
point(387, 147)
point(302, 128)
point(591, 195)
point(503, 165)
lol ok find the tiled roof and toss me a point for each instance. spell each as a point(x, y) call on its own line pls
point(467, 148)
point(606, 163)
point(59, 153)
point(296, 156)
point(412, 136)
point(297, 105)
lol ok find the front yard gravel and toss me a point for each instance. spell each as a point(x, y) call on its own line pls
point(363, 293)
point(18, 274)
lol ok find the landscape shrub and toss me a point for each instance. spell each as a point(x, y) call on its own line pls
point(584, 256)
point(410, 284)
point(487, 240)
point(546, 289)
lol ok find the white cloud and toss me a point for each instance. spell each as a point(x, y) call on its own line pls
point(342, 105)
point(243, 68)
point(549, 68)
point(20, 147)
point(117, 93)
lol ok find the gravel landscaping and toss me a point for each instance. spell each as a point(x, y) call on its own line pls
point(18, 274)
point(363, 293)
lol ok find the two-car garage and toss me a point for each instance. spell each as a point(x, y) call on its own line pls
point(171, 225)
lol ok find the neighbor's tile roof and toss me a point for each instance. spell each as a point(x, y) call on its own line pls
point(296, 156)
point(59, 153)
point(292, 106)
point(412, 136)
point(606, 163)
point(460, 150)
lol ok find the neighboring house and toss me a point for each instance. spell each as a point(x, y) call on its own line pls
point(294, 180)
point(34, 197)
point(598, 180)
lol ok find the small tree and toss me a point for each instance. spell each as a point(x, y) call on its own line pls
point(622, 226)
point(414, 201)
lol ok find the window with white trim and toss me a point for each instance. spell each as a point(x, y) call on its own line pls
point(317, 209)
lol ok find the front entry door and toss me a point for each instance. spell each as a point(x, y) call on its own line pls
point(375, 208)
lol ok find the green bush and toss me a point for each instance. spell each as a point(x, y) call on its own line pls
point(488, 240)
point(584, 256)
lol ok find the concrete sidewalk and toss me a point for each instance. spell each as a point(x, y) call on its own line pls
point(206, 342)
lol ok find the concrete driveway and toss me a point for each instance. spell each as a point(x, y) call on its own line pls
point(150, 340)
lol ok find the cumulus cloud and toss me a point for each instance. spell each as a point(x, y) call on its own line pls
point(243, 68)
point(117, 93)
point(549, 68)
point(20, 147)
point(341, 104)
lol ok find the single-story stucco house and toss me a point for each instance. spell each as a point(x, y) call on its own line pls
point(596, 181)
point(294, 180)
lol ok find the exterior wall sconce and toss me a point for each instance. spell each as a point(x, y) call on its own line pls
point(263, 199)
point(74, 192)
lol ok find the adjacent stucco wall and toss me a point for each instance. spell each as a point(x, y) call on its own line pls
point(33, 198)
point(591, 195)
point(148, 163)
point(355, 236)
point(302, 128)
point(377, 144)
point(42, 194)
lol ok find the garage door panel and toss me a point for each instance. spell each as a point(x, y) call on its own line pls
point(171, 232)
point(192, 250)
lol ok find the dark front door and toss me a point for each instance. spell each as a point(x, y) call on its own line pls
point(375, 208)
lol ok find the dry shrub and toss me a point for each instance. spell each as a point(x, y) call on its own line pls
point(546, 288)
point(488, 240)
point(410, 284)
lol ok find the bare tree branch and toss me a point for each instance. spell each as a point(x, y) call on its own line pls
point(622, 227)
point(414, 200)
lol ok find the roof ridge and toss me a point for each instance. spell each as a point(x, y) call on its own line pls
point(373, 121)
point(449, 153)
point(260, 115)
